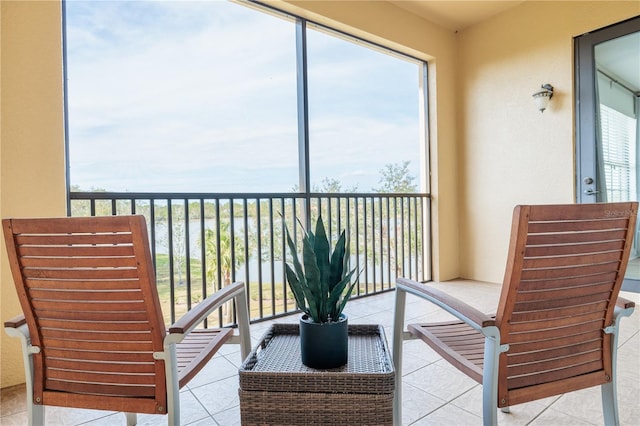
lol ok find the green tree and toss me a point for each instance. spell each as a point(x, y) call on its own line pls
point(332, 185)
point(82, 208)
point(211, 250)
point(329, 186)
point(179, 249)
point(396, 178)
point(222, 263)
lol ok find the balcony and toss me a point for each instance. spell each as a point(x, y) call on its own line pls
point(241, 237)
point(433, 391)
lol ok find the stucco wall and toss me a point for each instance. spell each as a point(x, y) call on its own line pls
point(32, 138)
point(509, 152)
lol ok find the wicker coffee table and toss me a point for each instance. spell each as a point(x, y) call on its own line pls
point(277, 389)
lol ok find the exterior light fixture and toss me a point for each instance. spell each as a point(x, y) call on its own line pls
point(543, 96)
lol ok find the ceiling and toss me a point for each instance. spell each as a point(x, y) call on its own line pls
point(621, 57)
point(455, 15)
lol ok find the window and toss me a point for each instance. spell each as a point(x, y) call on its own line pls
point(618, 152)
point(204, 97)
point(363, 112)
point(216, 121)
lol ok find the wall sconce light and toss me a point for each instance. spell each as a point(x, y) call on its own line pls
point(543, 96)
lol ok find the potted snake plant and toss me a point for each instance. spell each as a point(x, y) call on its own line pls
point(321, 285)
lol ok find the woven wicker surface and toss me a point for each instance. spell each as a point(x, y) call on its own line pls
point(275, 364)
point(277, 389)
point(288, 408)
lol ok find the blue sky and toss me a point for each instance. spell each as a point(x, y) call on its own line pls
point(182, 96)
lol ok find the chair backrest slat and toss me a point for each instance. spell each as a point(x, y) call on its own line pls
point(565, 269)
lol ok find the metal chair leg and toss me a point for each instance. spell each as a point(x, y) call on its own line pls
point(398, 331)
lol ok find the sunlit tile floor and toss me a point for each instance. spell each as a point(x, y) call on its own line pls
point(434, 393)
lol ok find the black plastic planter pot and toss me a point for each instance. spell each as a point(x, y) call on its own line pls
point(324, 345)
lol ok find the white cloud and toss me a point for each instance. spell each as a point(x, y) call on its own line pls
point(200, 96)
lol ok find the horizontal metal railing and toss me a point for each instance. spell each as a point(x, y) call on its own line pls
point(203, 241)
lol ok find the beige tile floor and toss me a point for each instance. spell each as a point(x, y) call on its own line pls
point(434, 393)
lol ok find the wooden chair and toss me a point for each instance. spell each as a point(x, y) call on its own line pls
point(556, 325)
point(93, 334)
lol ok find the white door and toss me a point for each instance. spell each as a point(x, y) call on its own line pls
point(608, 121)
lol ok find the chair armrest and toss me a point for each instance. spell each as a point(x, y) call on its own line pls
point(454, 306)
point(15, 322)
point(623, 308)
point(17, 327)
point(623, 303)
point(203, 309)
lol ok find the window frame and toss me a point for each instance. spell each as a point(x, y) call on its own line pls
point(301, 25)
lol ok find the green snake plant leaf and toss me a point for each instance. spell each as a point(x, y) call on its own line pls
point(297, 289)
point(294, 254)
point(318, 282)
point(347, 295)
point(297, 281)
point(316, 297)
point(321, 250)
point(337, 295)
point(337, 266)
